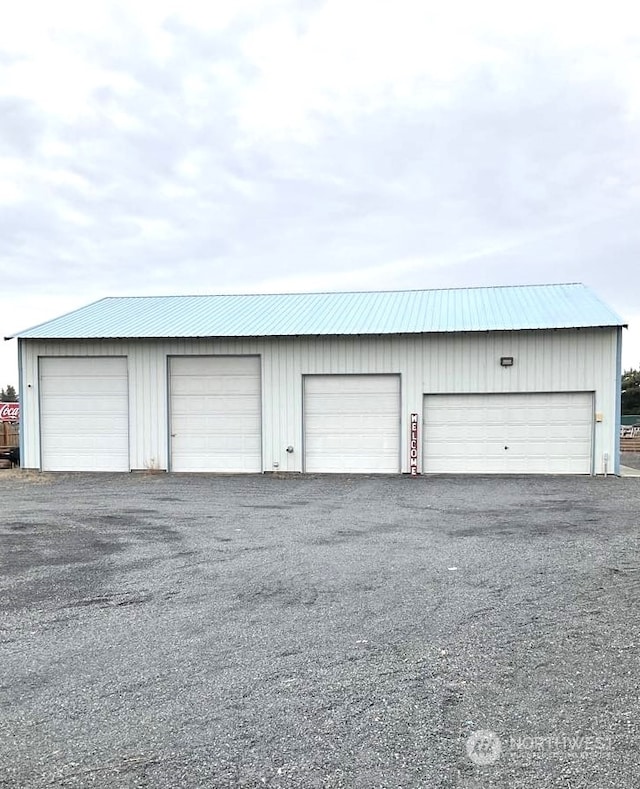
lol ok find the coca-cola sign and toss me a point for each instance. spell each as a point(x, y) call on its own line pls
point(9, 412)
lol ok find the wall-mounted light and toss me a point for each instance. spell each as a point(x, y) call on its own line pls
point(506, 361)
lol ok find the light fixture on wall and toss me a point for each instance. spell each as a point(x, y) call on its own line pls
point(506, 361)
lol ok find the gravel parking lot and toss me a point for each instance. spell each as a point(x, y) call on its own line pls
point(201, 631)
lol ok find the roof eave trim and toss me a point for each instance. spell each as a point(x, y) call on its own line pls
point(475, 330)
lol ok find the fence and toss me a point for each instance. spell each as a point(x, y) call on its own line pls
point(630, 438)
point(9, 435)
point(630, 431)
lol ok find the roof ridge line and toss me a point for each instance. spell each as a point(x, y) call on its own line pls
point(339, 292)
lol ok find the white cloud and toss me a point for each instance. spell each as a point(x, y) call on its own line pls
point(174, 147)
point(357, 57)
point(631, 343)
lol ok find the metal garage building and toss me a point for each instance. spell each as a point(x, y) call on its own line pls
point(476, 380)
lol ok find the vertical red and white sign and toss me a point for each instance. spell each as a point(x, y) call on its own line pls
point(413, 446)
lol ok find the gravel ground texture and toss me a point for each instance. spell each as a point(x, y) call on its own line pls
point(203, 631)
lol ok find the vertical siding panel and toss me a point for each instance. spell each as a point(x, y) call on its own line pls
point(273, 389)
point(293, 399)
point(30, 405)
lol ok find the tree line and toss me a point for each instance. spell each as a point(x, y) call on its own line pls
point(8, 395)
point(631, 392)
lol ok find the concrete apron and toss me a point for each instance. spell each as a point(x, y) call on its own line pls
point(627, 471)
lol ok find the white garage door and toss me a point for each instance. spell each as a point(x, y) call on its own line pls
point(215, 413)
point(84, 414)
point(352, 423)
point(508, 433)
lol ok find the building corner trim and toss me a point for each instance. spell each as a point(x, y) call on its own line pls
point(618, 408)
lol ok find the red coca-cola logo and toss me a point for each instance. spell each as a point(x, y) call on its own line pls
point(9, 412)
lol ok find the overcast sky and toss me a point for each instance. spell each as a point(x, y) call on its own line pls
point(203, 147)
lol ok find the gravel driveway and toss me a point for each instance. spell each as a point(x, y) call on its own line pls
point(200, 631)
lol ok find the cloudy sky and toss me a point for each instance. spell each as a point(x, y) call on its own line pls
point(156, 147)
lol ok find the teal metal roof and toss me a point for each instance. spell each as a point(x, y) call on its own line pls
point(506, 308)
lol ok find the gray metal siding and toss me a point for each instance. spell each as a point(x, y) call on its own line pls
point(545, 361)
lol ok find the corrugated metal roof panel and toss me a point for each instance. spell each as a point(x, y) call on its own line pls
point(387, 312)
